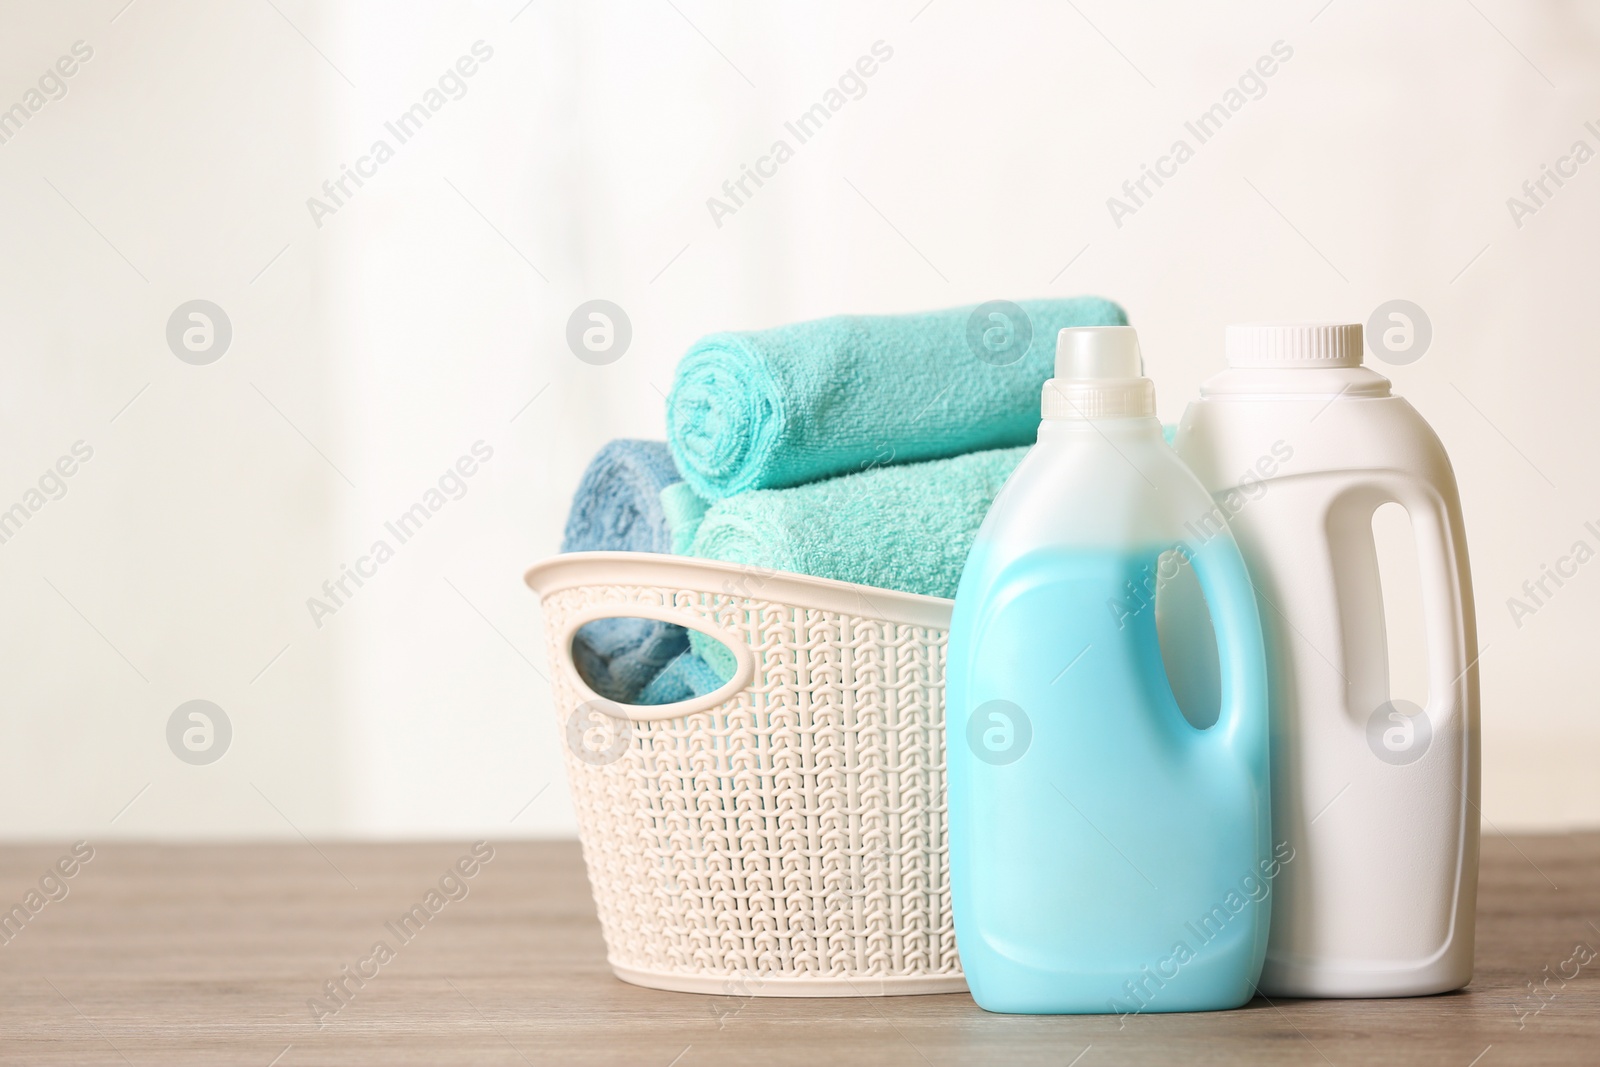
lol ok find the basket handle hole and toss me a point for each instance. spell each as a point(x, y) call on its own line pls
point(648, 662)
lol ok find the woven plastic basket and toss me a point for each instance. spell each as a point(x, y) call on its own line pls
point(785, 835)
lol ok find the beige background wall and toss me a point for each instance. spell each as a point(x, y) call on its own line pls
point(421, 317)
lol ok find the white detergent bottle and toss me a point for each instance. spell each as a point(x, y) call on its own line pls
point(1376, 797)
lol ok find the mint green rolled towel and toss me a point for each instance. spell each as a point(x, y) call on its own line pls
point(813, 400)
point(683, 509)
point(906, 527)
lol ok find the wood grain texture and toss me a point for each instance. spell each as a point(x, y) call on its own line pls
point(209, 954)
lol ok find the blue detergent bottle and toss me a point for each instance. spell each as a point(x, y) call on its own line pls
point(1106, 855)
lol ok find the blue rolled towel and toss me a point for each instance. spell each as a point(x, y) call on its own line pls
point(622, 658)
point(800, 403)
point(617, 508)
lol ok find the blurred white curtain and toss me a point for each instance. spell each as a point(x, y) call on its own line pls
point(428, 313)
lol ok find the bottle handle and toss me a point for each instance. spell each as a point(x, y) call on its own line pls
point(1450, 631)
point(1230, 597)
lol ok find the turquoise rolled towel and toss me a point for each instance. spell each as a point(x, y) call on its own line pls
point(688, 676)
point(795, 404)
point(906, 527)
point(682, 508)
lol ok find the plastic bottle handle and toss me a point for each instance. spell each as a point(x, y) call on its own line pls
point(1445, 611)
point(1241, 654)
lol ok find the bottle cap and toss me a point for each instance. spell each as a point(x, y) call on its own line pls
point(1099, 374)
point(1294, 344)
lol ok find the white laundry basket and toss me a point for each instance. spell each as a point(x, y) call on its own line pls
point(784, 835)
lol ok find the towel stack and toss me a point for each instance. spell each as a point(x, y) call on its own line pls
point(618, 509)
point(861, 448)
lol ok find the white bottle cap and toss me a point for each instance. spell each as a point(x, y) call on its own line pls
point(1294, 344)
point(1099, 374)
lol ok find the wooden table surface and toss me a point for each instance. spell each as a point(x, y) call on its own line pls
point(209, 954)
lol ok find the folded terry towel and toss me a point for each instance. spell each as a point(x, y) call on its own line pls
point(617, 508)
point(799, 403)
point(906, 527)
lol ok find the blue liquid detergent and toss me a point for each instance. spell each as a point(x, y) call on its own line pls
point(1106, 856)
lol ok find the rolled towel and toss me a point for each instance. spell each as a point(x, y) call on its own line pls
point(800, 403)
point(687, 676)
point(617, 508)
point(622, 658)
point(683, 508)
point(906, 527)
